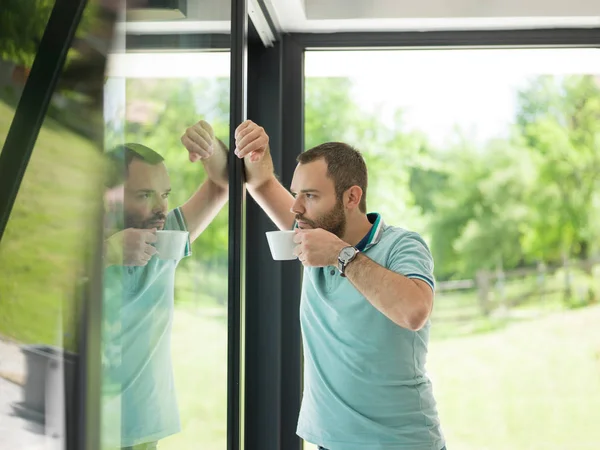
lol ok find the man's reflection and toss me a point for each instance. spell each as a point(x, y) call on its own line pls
point(139, 282)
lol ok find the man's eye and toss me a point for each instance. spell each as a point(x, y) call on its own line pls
point(166, 195)
point(146, 195)
point(309, 195)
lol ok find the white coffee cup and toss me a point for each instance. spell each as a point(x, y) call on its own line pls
point(282, 244)
point(170, 244)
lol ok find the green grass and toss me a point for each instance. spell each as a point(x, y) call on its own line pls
point(42, 250)
point(532, 385)
point(200, 367)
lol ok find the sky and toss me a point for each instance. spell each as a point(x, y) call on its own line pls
point(437, 89)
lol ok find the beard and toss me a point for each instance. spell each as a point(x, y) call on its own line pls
point(133, 221)
point(334, 221)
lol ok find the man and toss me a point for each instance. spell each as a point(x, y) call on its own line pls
point(367, 295)
point(139, 287)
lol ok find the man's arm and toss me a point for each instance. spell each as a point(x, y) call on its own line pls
point(253, 145)
point(405, 301)
point(402, 291)
point(202, 207)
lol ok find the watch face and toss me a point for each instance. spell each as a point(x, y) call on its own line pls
point(347, 253)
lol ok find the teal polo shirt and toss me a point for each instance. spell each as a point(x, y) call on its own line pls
point(365, 385)
point(137, 322)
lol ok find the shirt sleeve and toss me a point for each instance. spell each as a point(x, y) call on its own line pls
point(412, 258)
point(176, 221)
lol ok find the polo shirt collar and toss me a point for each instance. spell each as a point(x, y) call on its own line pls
point(374, 234)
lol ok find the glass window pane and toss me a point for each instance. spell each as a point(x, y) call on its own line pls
point(492, 156)
point(165, 315)
point(46, 250)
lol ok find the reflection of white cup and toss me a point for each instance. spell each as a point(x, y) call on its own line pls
point(282, 244)
point(170, 244)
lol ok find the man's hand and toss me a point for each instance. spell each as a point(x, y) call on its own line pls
point(317, 247)
point(130, 247)
point(251, 141)
point(252, 144)
point(199, 140)
point(202, 145)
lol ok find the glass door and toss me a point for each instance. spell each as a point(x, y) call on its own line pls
point(165, 320)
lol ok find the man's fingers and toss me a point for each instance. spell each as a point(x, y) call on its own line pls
point(243, 127)
point(207, 127)
point(200, 137)
point(199, 132)
point(194, 148)
point(150, 251)
point(254, 135)
point(150, 237)
point(245, 132)
point(257, 147)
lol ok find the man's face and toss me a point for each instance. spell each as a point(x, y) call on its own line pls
point(147, 190)
point(316, 204)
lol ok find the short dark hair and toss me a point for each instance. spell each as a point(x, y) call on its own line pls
point(345, 166)
point(120, 158)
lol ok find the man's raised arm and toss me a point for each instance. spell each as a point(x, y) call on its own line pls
point(207, 201)
point(252, 144)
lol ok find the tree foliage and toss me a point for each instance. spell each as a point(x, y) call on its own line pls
point(513, 201)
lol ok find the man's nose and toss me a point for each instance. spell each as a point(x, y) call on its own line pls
point(160, 205)
point(297, 206)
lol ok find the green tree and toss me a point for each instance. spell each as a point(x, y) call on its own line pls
point(559, 120)
point(22, 25)
point(332, 114)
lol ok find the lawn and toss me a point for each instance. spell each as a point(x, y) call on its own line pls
point(42, 251)
point(200, 367)
point(532, 385)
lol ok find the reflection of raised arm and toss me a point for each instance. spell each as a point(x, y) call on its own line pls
point(205, 204)
point(253, 145)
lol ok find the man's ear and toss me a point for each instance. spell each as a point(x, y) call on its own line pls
point(353, 197)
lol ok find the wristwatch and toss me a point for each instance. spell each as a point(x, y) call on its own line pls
point(346, 256)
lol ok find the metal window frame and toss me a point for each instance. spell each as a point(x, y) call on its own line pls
point(177, 42)
point(236, 249)
point(273, 289)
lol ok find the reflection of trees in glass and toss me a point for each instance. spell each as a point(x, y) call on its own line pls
point(22, 25)
point(511, 201)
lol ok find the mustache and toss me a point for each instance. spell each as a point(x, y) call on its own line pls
point(157, 217)
point(305, 220)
